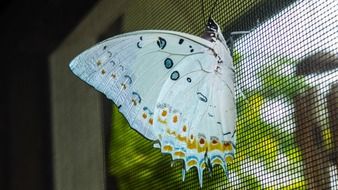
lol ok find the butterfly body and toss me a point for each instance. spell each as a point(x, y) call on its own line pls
point(175, 89)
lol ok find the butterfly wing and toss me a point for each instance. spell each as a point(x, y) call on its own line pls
point(165, 85)
point(195, 113)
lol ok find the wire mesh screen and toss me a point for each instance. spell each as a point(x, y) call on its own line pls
point(287, 97)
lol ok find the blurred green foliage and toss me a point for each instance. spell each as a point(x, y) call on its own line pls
point(279, 79)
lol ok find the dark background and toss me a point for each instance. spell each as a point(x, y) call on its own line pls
point(30, 31)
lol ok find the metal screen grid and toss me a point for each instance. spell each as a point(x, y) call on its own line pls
point(286, 119)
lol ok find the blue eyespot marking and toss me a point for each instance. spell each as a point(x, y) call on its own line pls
point(112, 61)
point(168, 63)
point(161, 43)
point(191, 49)
point(175, 75)
point(129, 78)
point(139, 43)
point(138, 96)
point(189, 79)
point(110, 53)
point(181, 41)
point(148, 110)
point(202, 97)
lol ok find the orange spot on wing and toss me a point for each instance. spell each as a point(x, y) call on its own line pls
point(161, 121)
point(179, 154)
point(181, 138)
point(191, 143)
point(216, 145)
point(175, 119)
point(164, 113)
point(184, 128)
point(151, 121)
point(144, 115)
point(171, 132)
point(217, 161)
point(201, 148)
point(229, 159)
point(192, 163)
point(202, 141)
point(168, 148)
point(98, 63)
point(227, 146)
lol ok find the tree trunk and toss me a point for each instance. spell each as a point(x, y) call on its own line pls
point(332, 105)
point(310, 142)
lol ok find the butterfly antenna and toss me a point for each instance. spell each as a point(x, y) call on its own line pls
point(202, 2)
point(213, 8)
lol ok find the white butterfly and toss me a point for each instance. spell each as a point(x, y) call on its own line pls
point(175, 89)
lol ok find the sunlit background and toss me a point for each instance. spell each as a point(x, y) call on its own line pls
point(271, 78)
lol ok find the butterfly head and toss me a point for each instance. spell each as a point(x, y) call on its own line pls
point(212, 26)
point(212, 31)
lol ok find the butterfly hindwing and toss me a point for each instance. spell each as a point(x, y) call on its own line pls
point(192, 123)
